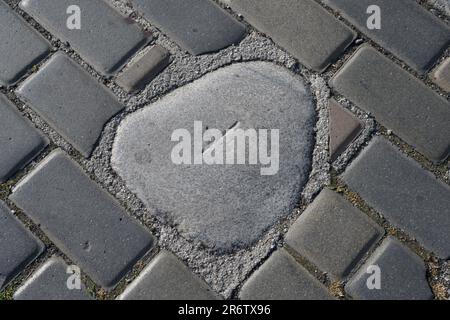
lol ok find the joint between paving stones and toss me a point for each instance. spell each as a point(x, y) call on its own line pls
point(373, 128)
point(428, 257)
point(72, 155)
point(335, 287)
point(366, 39)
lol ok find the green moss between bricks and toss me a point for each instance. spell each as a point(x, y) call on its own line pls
point(7, 294)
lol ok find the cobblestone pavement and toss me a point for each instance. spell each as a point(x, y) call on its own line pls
point(93, 207)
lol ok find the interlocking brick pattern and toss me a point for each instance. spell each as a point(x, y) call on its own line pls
point(399, 30)
point(417, 202)
point(87, 223)
point(398, 100)
point(86, 116)
point(106, 39)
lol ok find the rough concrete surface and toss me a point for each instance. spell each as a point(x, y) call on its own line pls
point(224, 206)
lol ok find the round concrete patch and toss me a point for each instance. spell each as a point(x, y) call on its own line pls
point(225, 206)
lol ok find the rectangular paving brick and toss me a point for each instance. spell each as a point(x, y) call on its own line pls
point(167, 278)
point(18, 247)
point(199, 26)
point(402, 275)
point(71, 101)
point(405, 194)
point(408, 30)
point(106, 39)
point(333, 234)
point(21, 46)
point(20, 142)
point(344, 128)
point(144, 69)
point(302, 27)
point(282, 278)
point(84, 221)
point(441, 75)
point(49, 282)
point(398, 101)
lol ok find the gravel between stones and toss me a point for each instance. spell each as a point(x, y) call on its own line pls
point(222, 272)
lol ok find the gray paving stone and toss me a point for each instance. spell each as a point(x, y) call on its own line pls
point(302, 27)
point(49, 282)
point(408, 30)
point(441, 76)
point(397, 100)
point(199, 26)
point(167, 278)
point(20, 142)
point(344, 128)
point(224, 206)
point(404, 193)
point(18, 246)
point(71, 101)
point(144, 69)
point(282, 278)
point(22, 47)
point(402, 275)
point(333, 234)
point(84, 221)
point(106, 39)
